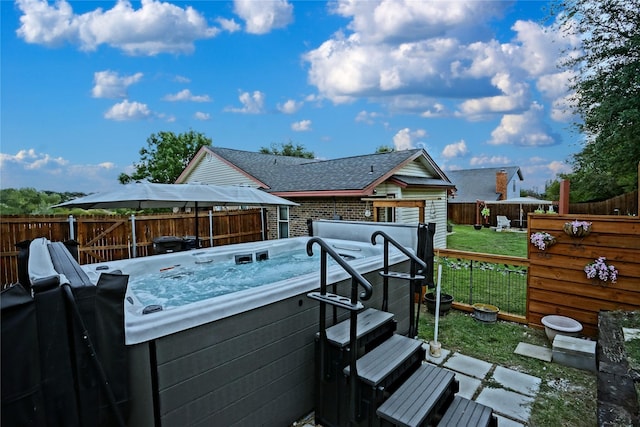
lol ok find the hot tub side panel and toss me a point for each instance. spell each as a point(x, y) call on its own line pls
point(253, 368)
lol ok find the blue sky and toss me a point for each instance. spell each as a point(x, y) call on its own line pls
point(85, 83)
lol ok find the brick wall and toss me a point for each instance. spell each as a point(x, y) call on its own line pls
point(501, 184)
point(348, 208)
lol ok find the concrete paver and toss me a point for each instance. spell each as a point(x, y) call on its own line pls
point(507, 422)
point(468, 365)
point(468, 385)
point(509, 403)
point(517, 381)
point(535, 351)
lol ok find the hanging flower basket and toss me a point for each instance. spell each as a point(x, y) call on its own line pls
point(577, 228)
point(542, 240)
point(601, 271)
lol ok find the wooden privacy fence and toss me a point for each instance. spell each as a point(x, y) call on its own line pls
point(465, 213)
point(109, 237)
point(557, 282)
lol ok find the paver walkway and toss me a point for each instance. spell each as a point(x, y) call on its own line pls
point(510, 393)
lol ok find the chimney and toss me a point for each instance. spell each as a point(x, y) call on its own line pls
point(501, 184)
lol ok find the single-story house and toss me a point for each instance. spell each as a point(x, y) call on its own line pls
point(400, 186)
point(486, 184)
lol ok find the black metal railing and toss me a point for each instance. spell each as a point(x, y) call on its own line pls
point(352, 304)
point(415, 277)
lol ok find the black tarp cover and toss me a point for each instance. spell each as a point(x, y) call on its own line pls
point(52, 372)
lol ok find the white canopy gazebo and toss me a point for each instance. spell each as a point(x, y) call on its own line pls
point(519, 201)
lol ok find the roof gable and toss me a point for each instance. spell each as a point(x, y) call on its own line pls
point(480, 184)
point(284, 174)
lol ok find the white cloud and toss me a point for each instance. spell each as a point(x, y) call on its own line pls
point(156, 27)
point(555, 86)
point(109, 84)
point(301, 126)
point(412, 56)
point(186, 95)
point(436, 110)
point(126, 110)
point(199, 115)
point(367, 117)
point(290, 107)
point(42, 171)
point(405, 139)
point(516, 97)
point(484, 160)
point(263, 16)
point(392, 20)
point(526, 129)
point(31, 160)
point(252, 103)
point(457, 149)
point(229, 25)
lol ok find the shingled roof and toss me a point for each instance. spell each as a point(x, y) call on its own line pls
point(283, 174)
point(479, 184)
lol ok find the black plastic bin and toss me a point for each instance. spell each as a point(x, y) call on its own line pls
point(167, 244)
point(189, 242)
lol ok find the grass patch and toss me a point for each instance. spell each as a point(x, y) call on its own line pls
point(487, 241)
point(567, 396)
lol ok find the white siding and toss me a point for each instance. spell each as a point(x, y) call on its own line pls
point(415, 168)
point(514, 183)
point(435, 211)
point(212, 170)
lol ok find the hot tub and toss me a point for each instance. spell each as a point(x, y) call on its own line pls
point(241, 358)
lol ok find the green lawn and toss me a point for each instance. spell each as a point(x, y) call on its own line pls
point(567, 396)
point(488, 241)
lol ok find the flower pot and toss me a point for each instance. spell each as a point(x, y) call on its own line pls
point(485, 225)
point(445, 302)
point(581, 231)
point(485, 312)
point(477, 226)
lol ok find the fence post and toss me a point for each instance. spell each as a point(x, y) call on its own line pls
point(72, 234)
point(133, 236)
point(210, 228)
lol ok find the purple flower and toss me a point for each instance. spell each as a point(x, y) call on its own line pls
point(575, 224)
point(542, 240)
point(600, 269)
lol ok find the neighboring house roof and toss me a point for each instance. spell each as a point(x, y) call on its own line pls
point(295, 176)
point(479, 184)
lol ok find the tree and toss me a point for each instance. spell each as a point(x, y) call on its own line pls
point(27, 201)
point(288, 149)
point(165, 157)
point(607, 87)
point(385, 149)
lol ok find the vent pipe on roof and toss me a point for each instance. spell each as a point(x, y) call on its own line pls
point(371, 171)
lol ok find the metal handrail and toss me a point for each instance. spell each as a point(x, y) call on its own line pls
point(415, 279)
point(356, 277)
point(353, 306)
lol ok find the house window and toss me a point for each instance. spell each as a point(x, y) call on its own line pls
point(283, 222)
point(390, 214)
point(514, 189)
